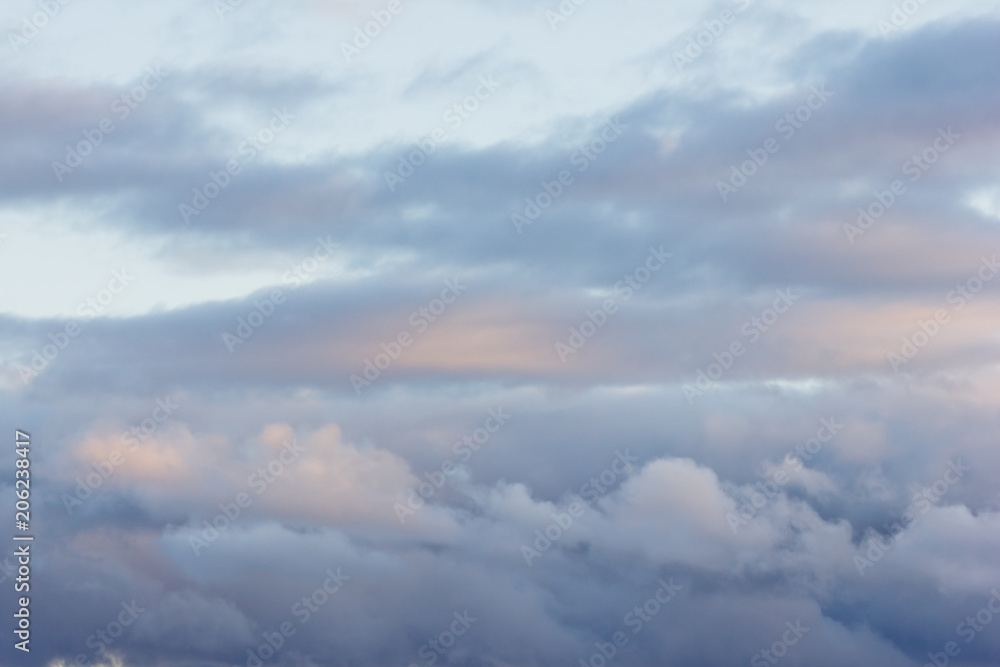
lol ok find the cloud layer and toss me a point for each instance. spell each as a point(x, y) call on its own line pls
point(514, 333)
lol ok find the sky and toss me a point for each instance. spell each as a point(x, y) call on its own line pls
point(502, 334)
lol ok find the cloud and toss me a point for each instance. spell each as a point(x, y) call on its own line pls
point(307, 470)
